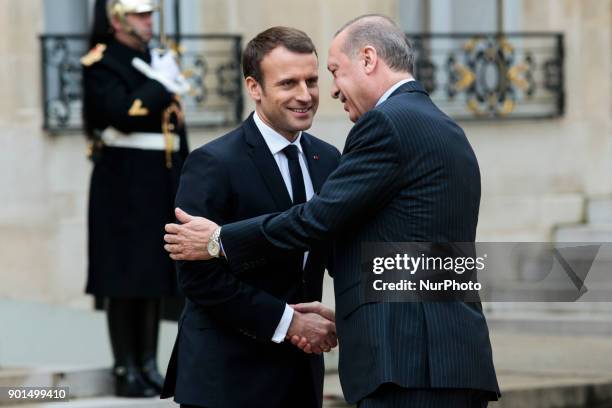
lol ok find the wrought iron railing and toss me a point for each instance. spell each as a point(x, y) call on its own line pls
point(474, 76)
point(478, 76)
point(210, 61)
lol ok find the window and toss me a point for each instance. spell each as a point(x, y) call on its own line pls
point(459, 16)
point(67, 16)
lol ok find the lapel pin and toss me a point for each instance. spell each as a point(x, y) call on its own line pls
point(315, 157)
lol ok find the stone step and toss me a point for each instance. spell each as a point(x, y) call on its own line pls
point(102, 402)
point(82, 382)
point(544, 389)
point(599, 211)
point(72, 337)
point(574, 394)
point(93, 387)
point(530, 322)
point(583, 394)
point(584, 233)
point(543, 371)
point(580, 394)
point(114, 402)
point(534, 392)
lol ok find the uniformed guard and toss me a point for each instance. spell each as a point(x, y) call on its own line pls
point(135, 123)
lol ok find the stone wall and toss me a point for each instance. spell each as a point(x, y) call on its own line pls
point(538, 174)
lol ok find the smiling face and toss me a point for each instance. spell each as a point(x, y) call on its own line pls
point(351, 84)
point(289, 96)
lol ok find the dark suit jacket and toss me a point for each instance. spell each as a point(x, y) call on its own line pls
point(224, 356)
point(407, 174)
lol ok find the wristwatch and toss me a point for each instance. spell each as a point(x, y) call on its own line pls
point(213, 244)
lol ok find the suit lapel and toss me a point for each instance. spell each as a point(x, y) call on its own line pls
point(266, 165)
point(315, 169)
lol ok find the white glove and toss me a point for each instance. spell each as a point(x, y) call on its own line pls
point(165, 64)
point(165, 70)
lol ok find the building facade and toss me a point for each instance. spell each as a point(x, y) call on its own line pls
point(538, 175)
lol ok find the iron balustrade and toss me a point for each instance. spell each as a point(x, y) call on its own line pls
point(491, 76)
point(211, 63)
point(470, 76)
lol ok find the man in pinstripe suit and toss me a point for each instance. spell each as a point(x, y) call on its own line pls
point(407, 173)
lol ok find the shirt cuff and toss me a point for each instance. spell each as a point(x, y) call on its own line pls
point(222, 252)
point(283, 325)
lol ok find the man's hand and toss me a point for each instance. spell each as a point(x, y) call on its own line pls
point(313, 328)
point(316, 307)
point(188, 241)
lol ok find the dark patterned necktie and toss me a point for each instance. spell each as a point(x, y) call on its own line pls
point(297, 178)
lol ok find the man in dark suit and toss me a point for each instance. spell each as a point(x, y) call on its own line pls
point(407, 174)
point(230, 350)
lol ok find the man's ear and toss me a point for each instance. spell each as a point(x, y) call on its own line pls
point(253, 88)
point(369, 58)
point(115, 24)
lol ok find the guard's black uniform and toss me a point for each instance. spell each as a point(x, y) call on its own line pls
point(139, 140)
point(132, 189)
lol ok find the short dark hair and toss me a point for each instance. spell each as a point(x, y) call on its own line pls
point(391, 43)
point(264, 42)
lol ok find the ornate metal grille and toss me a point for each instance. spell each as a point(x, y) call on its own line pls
point(475, 76)
point(492, 76)
point(210, 61)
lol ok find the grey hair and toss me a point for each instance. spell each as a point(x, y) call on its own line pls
point(384, 35)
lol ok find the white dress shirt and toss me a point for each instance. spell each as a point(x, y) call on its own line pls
point(276, 143)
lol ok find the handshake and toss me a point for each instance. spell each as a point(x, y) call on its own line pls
point(313, 328)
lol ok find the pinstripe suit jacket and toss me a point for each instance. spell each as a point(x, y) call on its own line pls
point(407, 173)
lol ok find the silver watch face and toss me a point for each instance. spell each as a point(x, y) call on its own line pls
point(213, 248)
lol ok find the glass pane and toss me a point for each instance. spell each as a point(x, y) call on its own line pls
point(66, 16)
